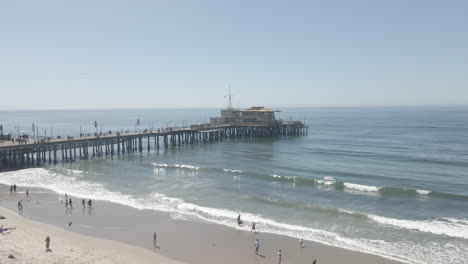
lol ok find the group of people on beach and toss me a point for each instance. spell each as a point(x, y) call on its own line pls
point(20, 202)
point(69, 202)
point(13, 188)
point(257, 242)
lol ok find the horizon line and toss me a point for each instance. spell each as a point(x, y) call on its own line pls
point(174, 108)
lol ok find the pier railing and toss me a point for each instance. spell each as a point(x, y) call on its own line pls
point(33, 152)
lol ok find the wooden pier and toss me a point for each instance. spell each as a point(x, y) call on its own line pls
point(15, 156)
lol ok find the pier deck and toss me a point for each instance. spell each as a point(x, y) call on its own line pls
point(15, 155)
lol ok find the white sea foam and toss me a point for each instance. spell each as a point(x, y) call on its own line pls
point(455, 220)
point(423, 192)
point(328, 181)
point(180, 166)
point(283, 177)
point(440, 226)
point(361, 188)
point(411, 253)
point(232, 171)
point(75, 172)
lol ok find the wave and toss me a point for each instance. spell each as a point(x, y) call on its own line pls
point(356, 188)
point(178, 166)
point(232, 171)
point(178, 208)
point(338, 185)
point(441, 226)
point(78, 172)
point(360, 187)
point(452, 227)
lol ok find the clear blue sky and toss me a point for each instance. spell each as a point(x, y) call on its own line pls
point(160, 54)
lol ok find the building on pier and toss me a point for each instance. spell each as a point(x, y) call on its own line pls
point(257, 115)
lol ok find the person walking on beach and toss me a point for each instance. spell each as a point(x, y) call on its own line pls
point(257, 246)
point(83, 202)
point(154, 239)
point(70, 203)
point(14, 187)
point(11, 188)
point(47, 244)
point(239, 221)
point(301, 242)
point(253, 228)
point(20, 206)
point(280, 255)
point(27, 193)
point(90, 203)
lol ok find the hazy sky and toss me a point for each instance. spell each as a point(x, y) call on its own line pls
point(159, 54)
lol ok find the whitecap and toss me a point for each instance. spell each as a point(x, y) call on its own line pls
point(360, 187)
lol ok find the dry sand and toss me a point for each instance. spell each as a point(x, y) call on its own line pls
point(26, 243)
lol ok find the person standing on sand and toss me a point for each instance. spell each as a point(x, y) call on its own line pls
point(27, 193)
point(11, 188)
point(20, 205)
point(301, 242)
point(154, 239)
point(14, 187)
point(280, 255)
point(253, 228)
point(70, 202)
point(47, 244)
point(257, 246)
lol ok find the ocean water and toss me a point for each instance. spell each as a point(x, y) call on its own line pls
point(399, 188)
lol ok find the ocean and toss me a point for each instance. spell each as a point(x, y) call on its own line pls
point(387, 181)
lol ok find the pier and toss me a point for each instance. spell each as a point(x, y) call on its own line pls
point(32, 153)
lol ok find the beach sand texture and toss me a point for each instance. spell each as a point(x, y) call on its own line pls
point(91, 240)
point(27, 244)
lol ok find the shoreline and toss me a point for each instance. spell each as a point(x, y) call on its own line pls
point(181, 240)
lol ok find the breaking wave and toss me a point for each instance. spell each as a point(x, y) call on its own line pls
point(232, 171)
point(178, 208)
point(338, 185)
point(178, 166)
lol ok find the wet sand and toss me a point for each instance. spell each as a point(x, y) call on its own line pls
point(186, 241)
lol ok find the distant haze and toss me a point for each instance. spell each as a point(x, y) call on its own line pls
point(185, 54)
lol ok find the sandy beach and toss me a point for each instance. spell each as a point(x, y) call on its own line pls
point(93, 236)
point(26, 243)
